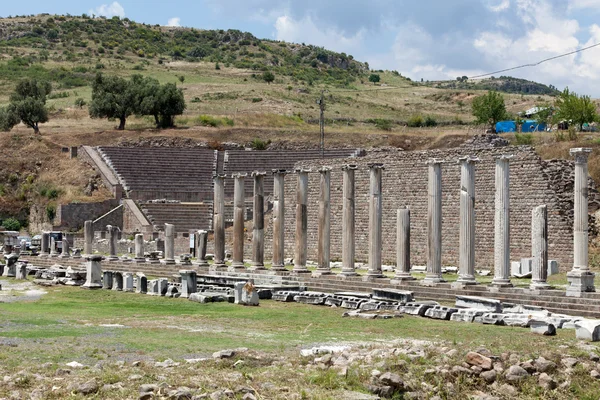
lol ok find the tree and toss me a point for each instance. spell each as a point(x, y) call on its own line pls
point(114, 97)
point(181, 79)
point(575, 109)
point(8, 119)
point(163, 102)
point(374, 78)
point(544, 114)
point(268, 77)
point(489, 108)
point(11, 224)
point(28, 102)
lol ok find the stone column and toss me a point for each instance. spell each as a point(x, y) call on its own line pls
point(112, 242)
point(45, 245)
point(201, 243)
point(219, 222)
point(403, 246)
point(580, 278)
point(65, 247)
point(539, 247)
point(53, 249)
point(467, 221)
point(238, 222)
point(139, 248)
point(348, 248)
point(324, 232)
point(258, 215)
point(502, 223)
point(93, 277)
point(434, 224)
point(375, 215)
point(189, 282)
point(301, 245)
point(278, 220)
point(128, 282)
point(88, 234)
point(169, 256)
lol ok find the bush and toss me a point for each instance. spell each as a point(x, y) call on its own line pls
point(207, 120)
point(257, 99)
point(258, 144)
point(11, 224)
point(79, 102)
point(416, 121)
point(430, 121)
point(50, 212)
point(522, 139)
point(383, 124)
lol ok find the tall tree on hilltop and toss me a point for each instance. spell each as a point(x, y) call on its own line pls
point(113, 97)
point(28, 104)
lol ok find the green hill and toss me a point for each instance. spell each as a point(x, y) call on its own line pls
point(506, 84)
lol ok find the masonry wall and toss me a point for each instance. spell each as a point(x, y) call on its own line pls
point(405, 183)
point(72, 216)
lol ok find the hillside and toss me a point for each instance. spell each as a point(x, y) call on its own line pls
point(506, 84)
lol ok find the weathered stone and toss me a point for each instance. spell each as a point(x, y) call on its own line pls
point(522, 320)
point(107, 280)
point(285, 296)
point(434, 224)
point(543, 365)
point(539, 248)
point(569, 362)
point(403, 296)
point(542, 328)
point(324, 226)
point(502, 223)
point(128, 282)
point(278, 220)
point(403, 246)
point(440, 312)
point(219, 222)
point(189, 282)
point(588, 329)
point(348, 222)
point(239, 209)
point(479, 303)
point(490, 319)
point(515, 373)
point(301, 242)
point(417, 308)
point(466, 315)
point(391, 379)
point(316, 298)
point(94, 276)
point(88, 387)
point(258, 226)
point(467, 222)
point(479, 360)
point(489, 376)
point(142, 283)
point(545, 381)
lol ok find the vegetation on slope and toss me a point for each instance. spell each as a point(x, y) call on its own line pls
point(506, 84)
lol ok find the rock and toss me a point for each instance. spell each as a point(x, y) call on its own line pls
point(146, 396)
point(148, 387)
point(391, 379)
point(74, 364)
point(588, 329)
point(528, 366)
point(166, 364)
point(542, 328)
point(36, 394)
point(509, 390)
point(594, 357)
point(545, 381)
point(249, 396)
point(383, 391)
point(569, 362)
point(515, 373)
point(180, 394)
point(595, 374)
point(451, 353)
point(135, 377)
point(489, 376)
point(479, 360)
point(223, 354)
point(543, 365)
point(89, 387)
point(479, 303)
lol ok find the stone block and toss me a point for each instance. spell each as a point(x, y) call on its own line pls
point(172, 292)
point(403, 296)
point(440, 312)
point(479, 303)
point(490, 319)
point(552, 267)
point(352, 303)
point(417, 308)
point(526, 265)
point(285, 296)
point(206, 297)
point(466, 315)
point(374, 305)
point(315, 298)
point(522, 320)
point(515, 268)
point(588, 329)
point(542, 328)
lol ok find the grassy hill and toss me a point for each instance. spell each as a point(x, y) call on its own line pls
point(506, 84)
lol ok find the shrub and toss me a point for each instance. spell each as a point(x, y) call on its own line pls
point(415, 121)
point(430, 121)
point(257, 99)
point(79, 102)
point(258, 144)
point(11, 224)
point(50, 212)
point(523, 139)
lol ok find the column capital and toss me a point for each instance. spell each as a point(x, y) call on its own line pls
point(468, 159)
point(375, 166)
point(258, 173)
point(503, 157)
point(239, 175)
point(433, 161)
point(347, 167)
point(302, 170)
point(324, 169)
point(280, 172)
point(219, 176)
point(581, 154)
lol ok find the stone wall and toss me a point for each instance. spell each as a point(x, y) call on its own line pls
point(113, 217)
point(405, 183)
point(72, 216)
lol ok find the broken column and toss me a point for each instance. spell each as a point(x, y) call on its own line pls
point(169, 257)
point(128, 282)
point(88, 235)
point(324, 241)
point(258, 215)
point(301, 245)
point(539, 247)
point(65, 247)
point(434, 224)
point(201, 243)
point(189, 282)
point(348, 213)
point(112, 242)
point(238, 222)
point(278, 220)
point(45, 244)
point(107, 279)
point(580, 278)
point(117, 281)
point(375, 215)
point(502, 223)
point(53, 247)
point(139, 248)
point(219, 222)
point(467, 221)
point(403, 245)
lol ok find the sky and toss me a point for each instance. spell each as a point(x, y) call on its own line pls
point(428, 39)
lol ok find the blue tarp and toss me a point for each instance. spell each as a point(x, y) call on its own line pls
point(506, 126)
point(532, 126)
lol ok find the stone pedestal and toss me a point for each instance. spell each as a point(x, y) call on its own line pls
point(53, 249)
point(117, 281)
point(237, 263)
point(502, 223)
point(323, 250)
point(467, 222)
point(434, 224)
point(258, 216)
point(107, 279)
point(375, 215)
point(348, 224)
point(301, 245)
point(139, 249)
point(141, 284)
point(94, 277)
point(88, 237)
point(65, 253)
point(45, 244)
point(128, 282)
point(219, 222)
point(169, 258)
point(189, 283)
point(278, 220)
point(580, 278)
point(201, 243)
point(113, 237)
point(539, 248)
point(402, 246)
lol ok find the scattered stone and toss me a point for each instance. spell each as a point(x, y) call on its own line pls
point(542, 328)
point(569, 362)
point(545, 381)
point(223, 354)
point(479, 303)
point(479, 360)
point(440, 312)
point(509, 390)
point(516, 373)
point(75, 364)
point(588, 329)
point(391, 379)
point(89, 387)
point(489, 376)
point(595, 374)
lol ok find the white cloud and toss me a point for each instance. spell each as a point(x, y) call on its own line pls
point(583, 4)
point(501, 6)
point(174, 21)
point(109, 10)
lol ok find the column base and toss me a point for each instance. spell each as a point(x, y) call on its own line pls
point(91, 285)
point(372, 275)
point(201, 263)
point(126, 260)
point(64, 256)
point(257, 267)
point(236, 266)
point(466, 280)
point(432, 280)
point(53, 255)
point(501, 282)
point(321, 272)
point(218, 267)
point(76, 257)
point(112, 258)
point(403, 276)
point(139, 260)
point(153, 261)
point(170, 261)
point(539, 286)
point(300, 269)
point(580, 282)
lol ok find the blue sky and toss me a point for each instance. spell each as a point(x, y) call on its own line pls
point(430, 39)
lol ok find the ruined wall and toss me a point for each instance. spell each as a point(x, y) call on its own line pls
point(405, 183)
point(72, 216)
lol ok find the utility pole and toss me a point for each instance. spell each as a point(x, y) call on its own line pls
point(321, 103)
